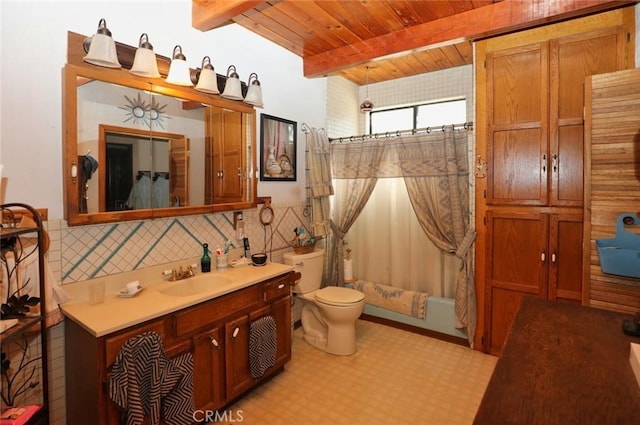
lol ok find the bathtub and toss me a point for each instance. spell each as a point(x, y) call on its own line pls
point(440, 316)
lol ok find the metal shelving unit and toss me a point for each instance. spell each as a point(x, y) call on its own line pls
point(29, 325)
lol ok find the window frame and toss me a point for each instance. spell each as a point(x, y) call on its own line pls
point(414, 108)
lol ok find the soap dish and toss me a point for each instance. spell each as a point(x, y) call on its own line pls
point(240, 262)
point(125, 294)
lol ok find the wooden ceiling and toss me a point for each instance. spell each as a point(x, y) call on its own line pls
point(382, 40)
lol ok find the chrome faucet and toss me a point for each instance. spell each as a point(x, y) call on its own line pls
point(180, 273)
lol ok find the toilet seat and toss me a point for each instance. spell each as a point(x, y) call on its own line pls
point(338, 296)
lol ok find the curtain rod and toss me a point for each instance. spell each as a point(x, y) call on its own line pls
point(466, 126)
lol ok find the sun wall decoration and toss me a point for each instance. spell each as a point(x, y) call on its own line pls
point(140, 112)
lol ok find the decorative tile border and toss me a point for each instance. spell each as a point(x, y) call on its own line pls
point(87, 252)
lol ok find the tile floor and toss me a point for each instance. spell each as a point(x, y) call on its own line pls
point(396, 377)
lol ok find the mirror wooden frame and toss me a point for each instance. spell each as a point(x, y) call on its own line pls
point(75, 68)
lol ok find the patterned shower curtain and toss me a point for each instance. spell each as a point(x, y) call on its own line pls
point(435, 169)
point(320, 185)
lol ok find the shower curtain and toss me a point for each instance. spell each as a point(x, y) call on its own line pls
point(435, 170)
point(320, 185)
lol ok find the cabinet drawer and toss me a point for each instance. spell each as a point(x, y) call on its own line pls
point(113, 343)
point(211, 311)
point(278, 287)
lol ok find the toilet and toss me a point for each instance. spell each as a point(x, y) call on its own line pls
point(329, 314)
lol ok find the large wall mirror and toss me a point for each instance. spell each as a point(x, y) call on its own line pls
point(139, 148)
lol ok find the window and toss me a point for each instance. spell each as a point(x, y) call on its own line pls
point(418, 116)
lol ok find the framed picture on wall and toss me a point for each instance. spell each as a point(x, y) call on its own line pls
point(278, 139)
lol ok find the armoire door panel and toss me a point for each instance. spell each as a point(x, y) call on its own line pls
point(566, 167)
point(572, 59)
point(577, 57)
point(518, 83)
point(518, 170)
point(565, 247)
point(517, 246)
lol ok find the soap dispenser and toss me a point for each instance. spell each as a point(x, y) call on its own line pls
point(205, 261)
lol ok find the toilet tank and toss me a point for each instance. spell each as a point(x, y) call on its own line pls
point(310, 266)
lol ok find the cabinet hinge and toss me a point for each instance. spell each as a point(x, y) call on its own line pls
point(628, 37)
point(484, 193)
point(484, 220)
point(485, 64)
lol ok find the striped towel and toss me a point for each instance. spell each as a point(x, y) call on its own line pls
point(262, 346)
point(144, 382)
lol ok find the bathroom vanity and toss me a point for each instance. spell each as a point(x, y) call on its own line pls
point(208, 316)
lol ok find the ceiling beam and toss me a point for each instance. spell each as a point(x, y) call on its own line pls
point(487, 21)
point(210, 14)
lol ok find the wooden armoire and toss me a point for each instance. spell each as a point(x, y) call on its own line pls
point(530, 143)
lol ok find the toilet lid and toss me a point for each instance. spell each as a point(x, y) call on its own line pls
point(336, 295)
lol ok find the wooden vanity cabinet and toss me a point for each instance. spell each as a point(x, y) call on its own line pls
point(216, 332)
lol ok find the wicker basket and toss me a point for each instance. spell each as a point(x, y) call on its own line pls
point(303, 249)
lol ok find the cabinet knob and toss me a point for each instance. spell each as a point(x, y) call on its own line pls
point(543, 257)
point(544, 163)
point(554, 162)
point(281, 286)
point(553, 257)
point(235, 332)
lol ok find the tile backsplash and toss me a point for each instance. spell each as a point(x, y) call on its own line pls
point(88, 252)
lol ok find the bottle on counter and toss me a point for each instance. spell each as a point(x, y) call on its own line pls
point(205, 261)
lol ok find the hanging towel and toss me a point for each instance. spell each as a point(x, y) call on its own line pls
point(262, 346)
point(144, 381)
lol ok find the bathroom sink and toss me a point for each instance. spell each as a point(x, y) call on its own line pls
point(187, 287)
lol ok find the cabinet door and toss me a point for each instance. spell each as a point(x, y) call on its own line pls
point(238, 376)
point(281, 312)
point(517, 145)
point(208, 365)
point(228, 132)
point(517, 252)
point(572, 59)
point(565, 257)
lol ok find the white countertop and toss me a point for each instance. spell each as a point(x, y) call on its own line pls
point(117, 313)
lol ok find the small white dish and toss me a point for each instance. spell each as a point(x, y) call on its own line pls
point(126, 294)
point(241, 262)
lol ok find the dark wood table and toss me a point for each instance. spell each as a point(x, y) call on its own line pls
point(563, 364)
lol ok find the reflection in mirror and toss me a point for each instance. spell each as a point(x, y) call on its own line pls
point(136, 178)
point(139, 137)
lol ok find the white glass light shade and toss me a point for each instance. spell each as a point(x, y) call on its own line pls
point(179, 73)
point(254, 92)
point(102, 51)
point(233, 87)
point(208, 80)
point(144, 62)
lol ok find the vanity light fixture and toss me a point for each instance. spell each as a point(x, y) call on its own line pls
point(233, 87)
point(367, 105)
point(179, 73)
point(208, 79)
point(102, 49)
point(254, 92)
point(144, 62)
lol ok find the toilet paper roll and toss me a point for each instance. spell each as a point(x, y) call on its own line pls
point(348, 269)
